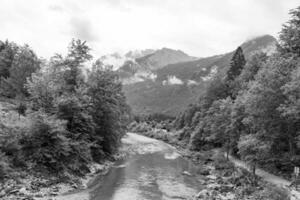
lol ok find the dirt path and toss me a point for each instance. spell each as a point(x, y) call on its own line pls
point(271, 178)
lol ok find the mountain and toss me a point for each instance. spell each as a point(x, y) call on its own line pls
point(169, 89)
point(163, 57)
point(139, 53)
point(142, 68)
point(198, 69)
point(117, 60)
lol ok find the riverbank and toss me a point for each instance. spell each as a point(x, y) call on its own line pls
point(221, 178)
point(35, 186)
point(38, 186)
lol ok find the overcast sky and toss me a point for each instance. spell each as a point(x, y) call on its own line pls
point(198, 27)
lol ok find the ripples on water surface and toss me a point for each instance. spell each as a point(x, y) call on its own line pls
point(152, 171)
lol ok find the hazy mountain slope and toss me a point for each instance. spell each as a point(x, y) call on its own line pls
point(177, 85)
point(196, 69)
point(142, 68)
point(163, 57)
point(117, 60)
point(153, 97)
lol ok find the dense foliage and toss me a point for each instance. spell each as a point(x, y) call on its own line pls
point(254, 111)
point(77, 114)
point(17, 63)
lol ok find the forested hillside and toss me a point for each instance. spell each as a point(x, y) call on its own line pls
point(253, 111)
point(171, 88)
point(57, 117)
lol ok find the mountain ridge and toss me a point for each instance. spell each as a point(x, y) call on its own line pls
point(171, 88)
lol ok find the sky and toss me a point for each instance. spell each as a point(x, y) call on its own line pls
point(197, 27)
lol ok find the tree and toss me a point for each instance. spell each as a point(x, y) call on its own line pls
point(236, 65)
point(107, 107)
point(290, 109)
point(7, 53)
point(252, 150)
point(46, 85)
point(289, 37)
point(79, 53)
point(262, 100)
point(24, 63)
point(253, 65)
point(219, 121)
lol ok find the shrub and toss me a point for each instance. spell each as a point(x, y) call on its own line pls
point(272, 193)
point(21, 109)
point(48, 145)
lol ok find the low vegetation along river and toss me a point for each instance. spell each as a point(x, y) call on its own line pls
point(153, 170)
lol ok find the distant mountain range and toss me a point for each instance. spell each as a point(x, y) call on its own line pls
point(166, 80)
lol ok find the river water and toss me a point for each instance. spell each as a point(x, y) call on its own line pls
point(153, 170)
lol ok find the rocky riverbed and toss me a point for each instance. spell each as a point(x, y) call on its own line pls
point(151, 170)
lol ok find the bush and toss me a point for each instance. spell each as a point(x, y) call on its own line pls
point(221, 163)
point(48, 145)
point(272, 193)
point(21, 109)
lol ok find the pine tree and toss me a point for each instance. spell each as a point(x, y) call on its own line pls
point(79, 53)
point(237, 63)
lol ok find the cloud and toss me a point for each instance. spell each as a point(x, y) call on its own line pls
point(172, 80)
point(199, 28)
point(82, 29)
point(212, 73)
point(56, 8)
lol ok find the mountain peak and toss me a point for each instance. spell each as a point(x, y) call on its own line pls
point(163, 57)
point(264, 43)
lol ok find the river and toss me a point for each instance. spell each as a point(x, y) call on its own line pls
point(153, 170)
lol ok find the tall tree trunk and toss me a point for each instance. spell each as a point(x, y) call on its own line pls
point(291, 139)
point(254, 168)
point(227, 153)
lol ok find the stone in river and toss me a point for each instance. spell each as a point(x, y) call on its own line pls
point(186, 173)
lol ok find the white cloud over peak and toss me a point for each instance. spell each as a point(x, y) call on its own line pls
point(200, 28)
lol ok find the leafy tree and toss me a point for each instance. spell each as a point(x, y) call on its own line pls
point(7, 53)
point(263, 99)
point(44, 87)
point(253, 65)
point(290, 109)
point(24, 63)
point(89, 109)
point(289, 38)
point(107, 107)
point(47, 144)
point(73, 109)
point(216, 89)
point(252, 150)
point(291, 90)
